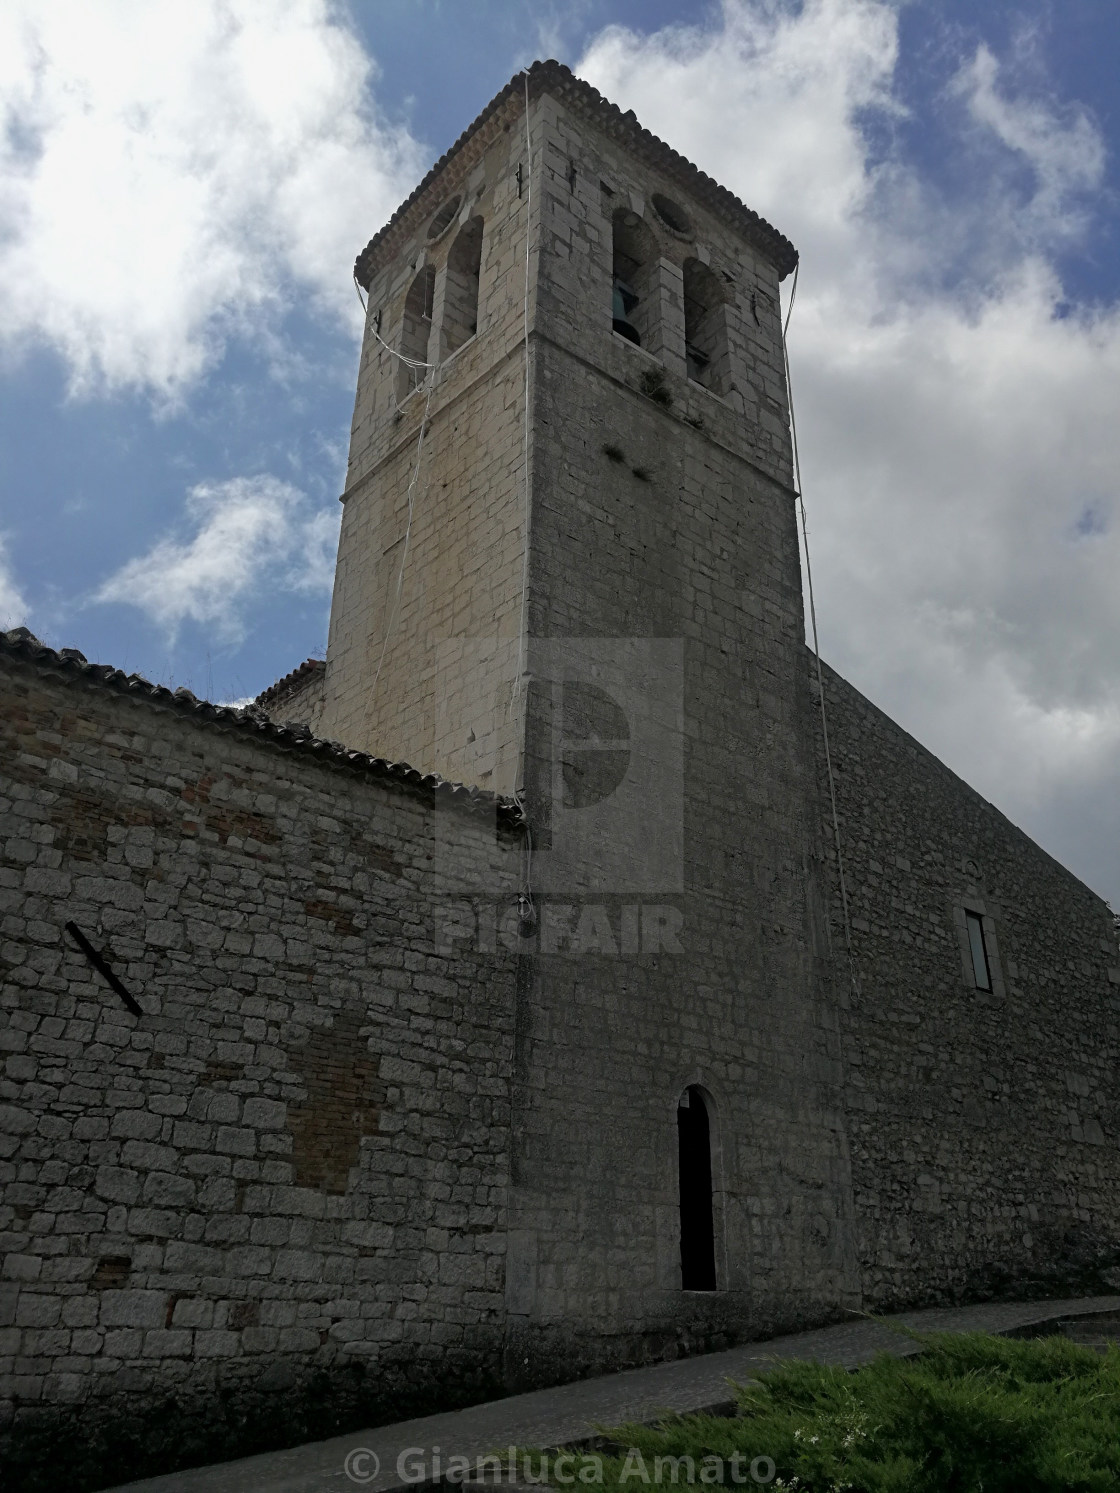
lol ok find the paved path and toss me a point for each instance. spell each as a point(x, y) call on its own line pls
point(573, 1412)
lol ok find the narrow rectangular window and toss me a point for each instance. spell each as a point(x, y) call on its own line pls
point(980, 969)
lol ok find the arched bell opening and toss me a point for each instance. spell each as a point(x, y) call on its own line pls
point(416, 328)
point(705, 327)
point(460, 305)
point(633, 304)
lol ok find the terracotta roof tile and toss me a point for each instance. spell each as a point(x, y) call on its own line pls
point(71, 666)
point(298, 677)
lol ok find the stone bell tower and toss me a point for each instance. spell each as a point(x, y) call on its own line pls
point(514, 241)
point(431, 579)
point(569, 568)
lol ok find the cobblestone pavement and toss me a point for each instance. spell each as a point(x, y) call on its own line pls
point(571, 1412)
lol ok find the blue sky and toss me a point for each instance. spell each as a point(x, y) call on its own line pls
point(182, 194)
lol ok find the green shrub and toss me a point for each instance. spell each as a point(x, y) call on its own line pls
point(971, 1414)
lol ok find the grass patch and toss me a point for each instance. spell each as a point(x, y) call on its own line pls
point(973, 1414)
point(653, 385)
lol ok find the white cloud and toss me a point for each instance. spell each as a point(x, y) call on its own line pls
point(1061, 146)
point(313, 570)
point(13, 607)
point(171, 174)
point(957, 417)
point(788, 88)
point(248, 533)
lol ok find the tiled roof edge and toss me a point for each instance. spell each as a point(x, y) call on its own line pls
point(72, 666)
point(554, 77)
point(298, 676)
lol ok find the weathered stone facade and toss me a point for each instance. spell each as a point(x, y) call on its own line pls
point(982, 1124)
point(398, 1121)
point(292, 1167)
point(663, 511)
point(430, 556)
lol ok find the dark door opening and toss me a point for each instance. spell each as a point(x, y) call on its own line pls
point(694, 1144)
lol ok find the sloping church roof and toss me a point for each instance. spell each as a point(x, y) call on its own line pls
point(297, 678)
point(558, 80)
point(72, 667)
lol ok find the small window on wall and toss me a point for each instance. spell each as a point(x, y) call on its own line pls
point(705, 327)
point(694, 1154)
point(978, 948)
point(977, 938)
point(442, 220)
point(460, 307)
point(633, 304)
point(417, 327)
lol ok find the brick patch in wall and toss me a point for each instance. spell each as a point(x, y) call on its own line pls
point(344, 1099)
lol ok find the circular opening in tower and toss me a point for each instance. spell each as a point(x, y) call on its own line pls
point(443, 219)
point(671, 215)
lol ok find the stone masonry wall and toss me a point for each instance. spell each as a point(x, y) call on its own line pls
point(984, 1127)
point(663, 521)
point(418, 605)
point(275, 1202)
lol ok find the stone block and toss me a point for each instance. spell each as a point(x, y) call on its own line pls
point(131, 1308)
point(23, 1267)
point(216, 1343)
point(265, 1114)
point(297, 1264)
point(35, 1309)
point(80, 1311)
point(191, 1259)
point(223, 1109)
point(193, 1312)
point(167, 1190)
point(122, 1343)
point(168, 1342)
point(236, 1141)
point(117, 1184)
point(146, 1156)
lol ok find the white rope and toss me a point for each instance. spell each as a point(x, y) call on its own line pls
point(411, 495)
point(393, 352)
point(816, 640)
point(528, 911)
point(400, 357)
point(407, 531)
point(523, 624)
point(525, 898)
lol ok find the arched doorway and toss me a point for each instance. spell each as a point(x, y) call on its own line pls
point(694, 1149)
